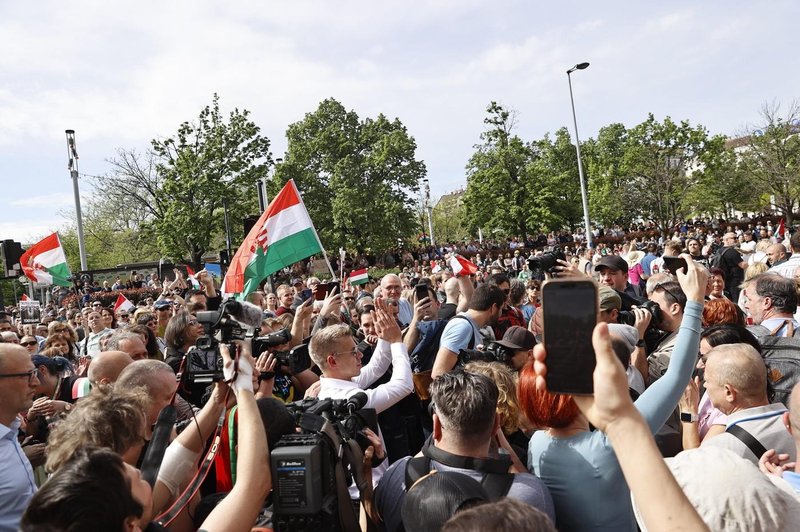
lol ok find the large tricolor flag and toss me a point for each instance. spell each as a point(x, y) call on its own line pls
point(462, 266)
point(282, 236)
point(45, 262)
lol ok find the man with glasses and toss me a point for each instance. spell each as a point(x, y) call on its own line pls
point(391, 288)
point(671, 301)
point(18, 382)
point(334, 351)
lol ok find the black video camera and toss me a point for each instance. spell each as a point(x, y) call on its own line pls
point(204, 362)
point(304, 465)
point(546, 261)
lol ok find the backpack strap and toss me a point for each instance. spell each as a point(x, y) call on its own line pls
point(497, 485)
point(748, 439)
point(416, 468)
point(471, 344)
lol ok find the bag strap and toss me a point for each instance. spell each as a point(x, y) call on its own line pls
point(416, 468)
point(748, 439)
point(786, 323)
point(497, 485)
point(471, 344)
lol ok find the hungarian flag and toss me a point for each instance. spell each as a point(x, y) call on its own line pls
point(123, 303)
point(45, 262)
point(359, 277)
point(282, 236)
point(462, 266)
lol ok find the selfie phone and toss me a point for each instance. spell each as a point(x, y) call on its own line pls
point(322, 291)
point(673, 264)
point(421, 291)
point(569, 314)
point(305, 294)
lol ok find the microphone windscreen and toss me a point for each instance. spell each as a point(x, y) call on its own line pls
point(357, 400)
point(247, 313)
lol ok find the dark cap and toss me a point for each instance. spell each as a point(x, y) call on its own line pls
point(437, 497)
point(613, 262)
point(518, 339)
point(162, 303)
point(297, 280)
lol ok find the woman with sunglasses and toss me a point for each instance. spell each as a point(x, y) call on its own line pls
point(53, 394)
point(30, 343)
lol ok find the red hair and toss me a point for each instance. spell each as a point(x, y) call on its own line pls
point(543, 408)
point(722, 310)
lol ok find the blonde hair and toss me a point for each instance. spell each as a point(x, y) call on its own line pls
point(113, 419)
point(322, 342)
point(507, 405)
point(757, 268)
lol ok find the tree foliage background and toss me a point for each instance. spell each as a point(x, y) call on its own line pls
point(357, 177)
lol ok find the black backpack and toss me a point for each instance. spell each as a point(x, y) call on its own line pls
point(782, 358)
point(424, 353)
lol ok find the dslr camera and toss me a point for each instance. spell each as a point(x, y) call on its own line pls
point(296, 359)
point(494, 352)
point(203, 360)
point(628, 318)
point(546, 261)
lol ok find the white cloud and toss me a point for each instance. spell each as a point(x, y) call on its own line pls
point(55, 200)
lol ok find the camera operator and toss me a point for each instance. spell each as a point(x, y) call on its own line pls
point(520, 342)
point(334, 351)
point(613, 272)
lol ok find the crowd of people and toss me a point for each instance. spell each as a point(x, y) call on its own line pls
point(694, 422)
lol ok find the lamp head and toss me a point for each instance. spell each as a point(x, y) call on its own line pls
point(579, 66)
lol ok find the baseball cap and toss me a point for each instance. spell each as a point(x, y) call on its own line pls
point(297, 280)
point(613, 262)
point(518, 338)
point(437, 497)
point(163, 303)
point(609, 298)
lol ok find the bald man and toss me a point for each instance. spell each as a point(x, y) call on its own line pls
point(391, 288)
point(736, 382)
point(106, 367)
point(777, 254)
point(18, 382)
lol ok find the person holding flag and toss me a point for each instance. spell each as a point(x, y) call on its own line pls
point(122, 310)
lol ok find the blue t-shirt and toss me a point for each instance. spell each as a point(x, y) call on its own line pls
point(458, 333)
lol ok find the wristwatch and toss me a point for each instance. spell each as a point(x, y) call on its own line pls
point(688, 417)
point(67, 407)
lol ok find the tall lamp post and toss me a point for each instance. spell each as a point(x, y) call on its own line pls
point(588, 229)
point(72, 154)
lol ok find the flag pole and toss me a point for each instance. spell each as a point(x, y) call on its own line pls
point(324, 253)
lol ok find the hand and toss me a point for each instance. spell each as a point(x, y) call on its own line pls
point(204, 278)
point(376, 446)
point(240, 378)
point(40, 407)
point(385, 324)
point(422, 309)
point(566, 269)
point(690, 399)
point(772, 463)
point(694, 281)
point(611, 401)
point(371, 339)
point(643, 318)
point(313, 390)
point(178, 274)
point(332, 304)
point(83, 366)
point(305, 310)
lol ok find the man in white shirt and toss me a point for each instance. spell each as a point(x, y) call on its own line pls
point(90, 345)
point(334, 351)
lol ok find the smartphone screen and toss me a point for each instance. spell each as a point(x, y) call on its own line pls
point(421, 291)
point(322, 291)
point(569, 314)
point(673, 264)
point(305, 294)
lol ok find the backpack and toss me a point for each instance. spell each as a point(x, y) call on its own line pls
point(424, 353)
point(782, 358)
point(715, 260)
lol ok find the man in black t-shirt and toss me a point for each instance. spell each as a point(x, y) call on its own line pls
point(731, 263)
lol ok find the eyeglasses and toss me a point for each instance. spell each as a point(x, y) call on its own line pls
point(349, 299)
point(121, 316)
point(97, 304)
point(193, 322)
point(661, 286)
point(32, 374)
point(26, 344)
point(355, 352)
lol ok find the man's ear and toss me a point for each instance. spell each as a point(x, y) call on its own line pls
point(730, 393)
point(437, 428)
point(787, 423)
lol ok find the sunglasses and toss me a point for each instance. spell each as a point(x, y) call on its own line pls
point(124, 316)
point(26, 344)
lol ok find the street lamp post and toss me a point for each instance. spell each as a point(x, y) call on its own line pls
point(72, 154)
point(588, 229)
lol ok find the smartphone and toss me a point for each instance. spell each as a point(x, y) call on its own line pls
point(305, 294)
point(569, 310)
point(322, 291)
point(421, 291)
point(673, 264)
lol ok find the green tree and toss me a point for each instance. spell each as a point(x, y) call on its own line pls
point(357, 177)
point(179, 186)
point(657, 155)
point(449, 215)
point(499, 178)
point(720, 182)
point(555, 192)
point(606, 178)
point(770, 159)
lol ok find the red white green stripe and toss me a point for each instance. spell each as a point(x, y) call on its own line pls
point(282, 236)
point(45, 262)
point(123, 303)
point(359, 276)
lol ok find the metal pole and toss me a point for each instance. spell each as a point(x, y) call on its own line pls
point(227, 227)
point(584, 199)
point(72, 153)
point(430, 211)
point(262, 195)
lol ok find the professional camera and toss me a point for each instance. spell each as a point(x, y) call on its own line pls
point(628, 318)
point(297, 359)
point(304, 465)
point(494, 352)
point(546, 261)
point(263, 343)
point(233, 321)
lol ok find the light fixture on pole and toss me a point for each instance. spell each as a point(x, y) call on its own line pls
point(72, 165)
point(429, 209)
point(587, 228)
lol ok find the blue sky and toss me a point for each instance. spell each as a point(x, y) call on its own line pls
point(121, 73)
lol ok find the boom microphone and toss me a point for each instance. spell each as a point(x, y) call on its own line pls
point(356, 401)
point(244, 312)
